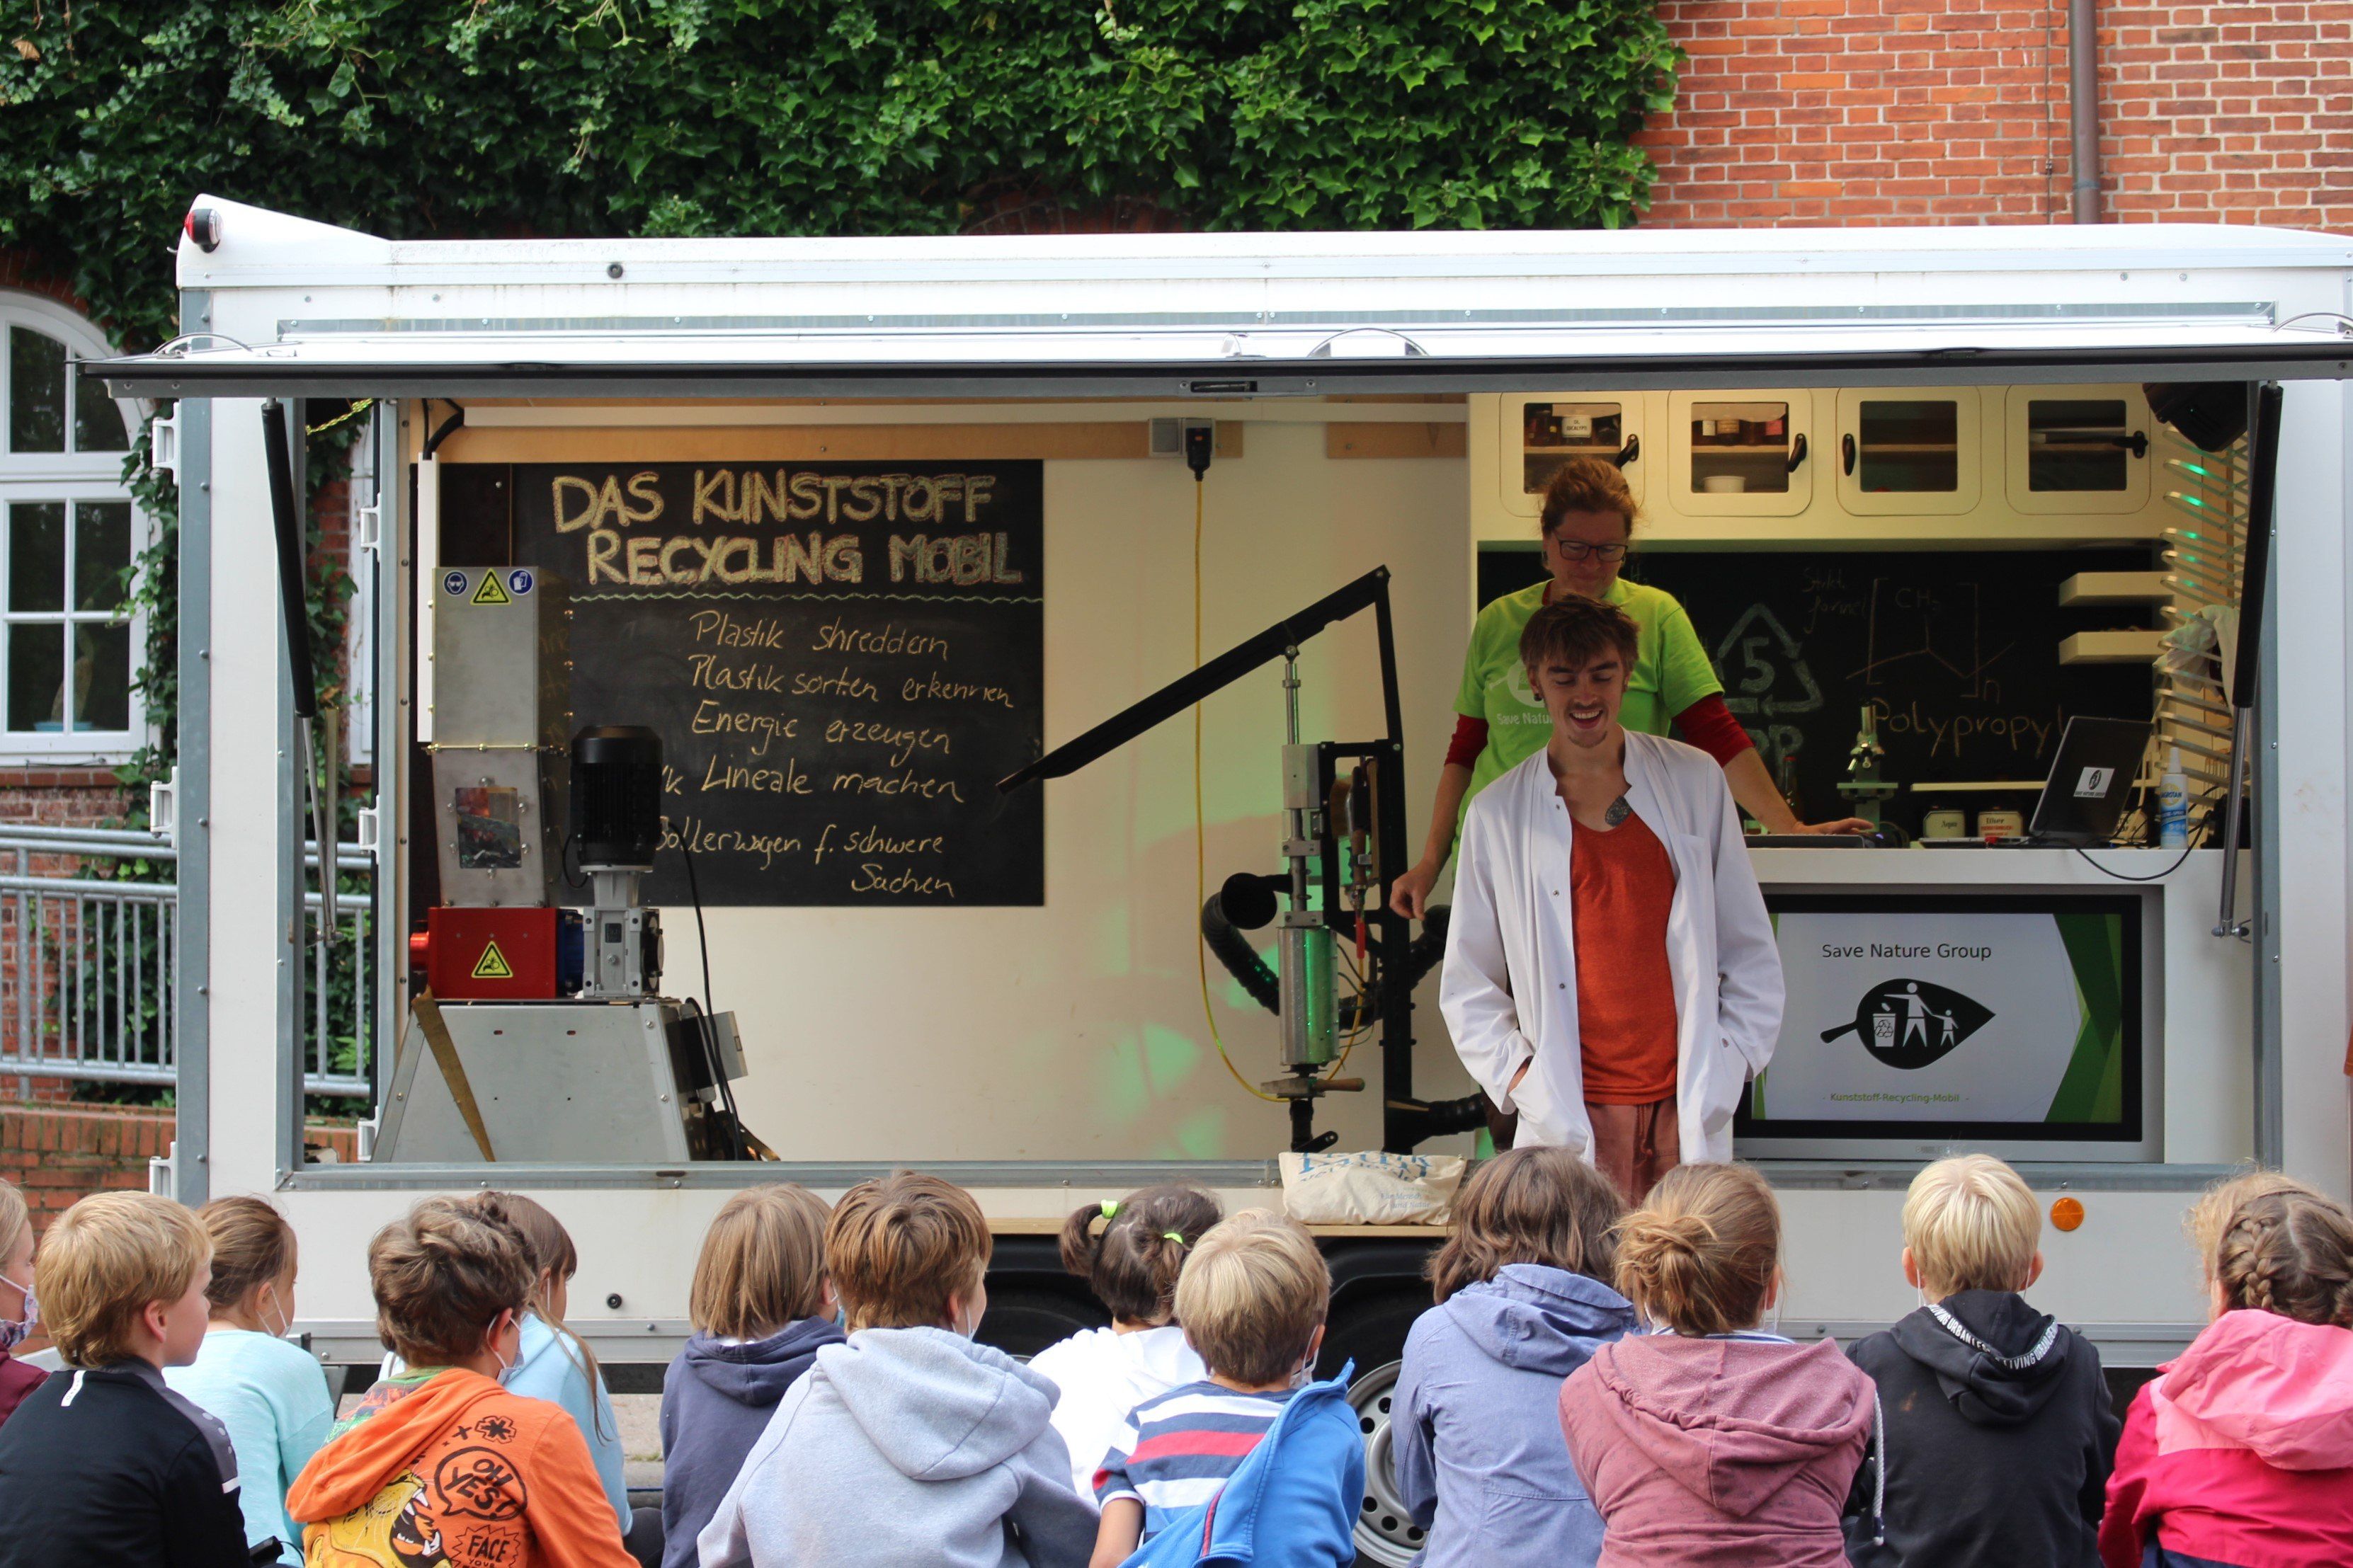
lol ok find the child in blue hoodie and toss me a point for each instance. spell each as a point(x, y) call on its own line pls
point(1253, 1463)
point(1475, 1435)
point(762, 1308)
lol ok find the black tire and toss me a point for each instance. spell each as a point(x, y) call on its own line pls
point(1372, 1334)
point(1021, 1320)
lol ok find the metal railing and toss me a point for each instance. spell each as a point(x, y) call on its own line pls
point(87, 970)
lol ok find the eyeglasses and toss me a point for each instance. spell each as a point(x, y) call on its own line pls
point(1577, 550)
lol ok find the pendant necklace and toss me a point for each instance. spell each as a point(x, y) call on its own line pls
point(1620, 810)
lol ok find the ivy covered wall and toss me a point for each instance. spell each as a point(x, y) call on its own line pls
point(423, 118)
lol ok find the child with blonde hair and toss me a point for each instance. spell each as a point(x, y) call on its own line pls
point(1713, 1440)
point(270, 1393)
point(105, 1465)
point(1253, 1462)
point(911, 1445)
point(20, 1306)
point(762, 1309)
point(1129, 1252)
point(2240, 1455)
point(1523, 1301)
point(1998, 1420)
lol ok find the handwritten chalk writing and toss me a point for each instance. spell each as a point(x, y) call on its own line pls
point(905, 782)
point(601, 506)
point(902, 741)
point(842, 685)
point(932, 688)
point(962, 559)
point(707, 671)
point(788, 780)
point(713, 719)
point(718, 627)
point(1949, 735)
point(705, 840)
point(870, 878)
point(686, 560)
point(874, 841)
point(753, 496)
point(889, 637)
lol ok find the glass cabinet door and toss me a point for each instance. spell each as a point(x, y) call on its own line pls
point(1907, 449)
point(1741, 453)
point(2078, 449)
point(1540, 434)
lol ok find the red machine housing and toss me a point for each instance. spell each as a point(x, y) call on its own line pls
point(472, 955)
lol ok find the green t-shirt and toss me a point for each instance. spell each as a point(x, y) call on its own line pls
point(1670, 673)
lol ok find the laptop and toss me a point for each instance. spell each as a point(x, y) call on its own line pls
point(2091, 783)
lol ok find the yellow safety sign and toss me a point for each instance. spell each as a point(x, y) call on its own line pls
point(489, 593)
point(492, 964)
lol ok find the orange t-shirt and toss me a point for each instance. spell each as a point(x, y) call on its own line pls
point(1621, 885)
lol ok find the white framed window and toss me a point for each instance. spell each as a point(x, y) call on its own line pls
point(68, 534)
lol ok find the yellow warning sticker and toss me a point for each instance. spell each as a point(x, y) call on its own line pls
point(492, 964)
point(491, 592)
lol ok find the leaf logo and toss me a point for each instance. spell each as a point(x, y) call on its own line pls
point(1910, 1023)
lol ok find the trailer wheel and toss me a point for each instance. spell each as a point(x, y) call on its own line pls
point(1023, 1321)
point(1372, 1336)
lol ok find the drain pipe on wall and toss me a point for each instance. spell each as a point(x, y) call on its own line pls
point(2084, 105)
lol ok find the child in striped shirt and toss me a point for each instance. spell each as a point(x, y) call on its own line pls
point(1251, 1300)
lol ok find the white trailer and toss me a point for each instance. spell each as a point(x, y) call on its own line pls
point(1371, 393)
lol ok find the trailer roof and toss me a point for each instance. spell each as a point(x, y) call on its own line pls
point(315, 310)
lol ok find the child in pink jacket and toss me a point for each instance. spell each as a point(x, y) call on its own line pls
point(1712, 1441)
point(2240, 1454)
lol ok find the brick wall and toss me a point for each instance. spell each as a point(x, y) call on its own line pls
point(58, 1153)
point(1870, 111)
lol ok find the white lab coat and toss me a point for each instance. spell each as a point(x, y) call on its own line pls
point(1509, 988)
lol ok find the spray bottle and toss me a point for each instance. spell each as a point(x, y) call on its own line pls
point(2173, 804)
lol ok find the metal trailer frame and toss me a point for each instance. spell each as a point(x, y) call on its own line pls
point(240, 1108)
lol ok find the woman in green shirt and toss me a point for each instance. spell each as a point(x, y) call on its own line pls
point(1589, 515)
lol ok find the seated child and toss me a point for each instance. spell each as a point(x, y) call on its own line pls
point(107, 1466)
point(1475, 1438)
point(2240, 1453)
point(1128, 1252)
point(1252, 1298)
point(1997, 1424)
point(19, 1302)
point(440, 1463)
point(1712, 1441)
point(909, 1446)
point(270, 1393)
point(556, 1365)
point(762, 1309)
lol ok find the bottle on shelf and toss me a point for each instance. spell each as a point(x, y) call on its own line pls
point(2173, 804)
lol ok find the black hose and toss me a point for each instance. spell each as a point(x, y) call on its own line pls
point(1241, 959)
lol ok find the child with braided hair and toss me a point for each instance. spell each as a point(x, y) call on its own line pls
point(2240, 1455)
point(1129, 1252)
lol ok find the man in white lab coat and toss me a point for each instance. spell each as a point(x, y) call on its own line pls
point(1610, 970)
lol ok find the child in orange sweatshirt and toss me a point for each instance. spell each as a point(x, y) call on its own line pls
point(441, 1463)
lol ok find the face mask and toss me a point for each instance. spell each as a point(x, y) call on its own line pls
point(285, 1324)
point(507, 1369)
point(14, 1330)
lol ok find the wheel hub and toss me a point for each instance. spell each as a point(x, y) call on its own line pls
point(1385, 1532)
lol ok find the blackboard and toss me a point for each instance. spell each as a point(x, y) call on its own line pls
point(1957, 651)
point(841, 659)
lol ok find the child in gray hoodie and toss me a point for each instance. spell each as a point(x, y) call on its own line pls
point(909, 1446)
point(1476, 1442)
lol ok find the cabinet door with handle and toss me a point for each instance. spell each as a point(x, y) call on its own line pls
point(2077, 450)
point(1741, 454)
point(1541, 432)
point(1909, 450)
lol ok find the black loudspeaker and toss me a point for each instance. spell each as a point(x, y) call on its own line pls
point(2209, 415)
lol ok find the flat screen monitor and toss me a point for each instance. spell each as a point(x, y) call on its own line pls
point(1922, 1024)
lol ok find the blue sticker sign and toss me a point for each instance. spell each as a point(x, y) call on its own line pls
point(520, 581)
point(453, 582)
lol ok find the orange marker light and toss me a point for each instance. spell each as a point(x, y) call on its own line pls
point(2067, 1214)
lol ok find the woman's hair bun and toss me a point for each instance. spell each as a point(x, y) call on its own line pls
point(1700, 1256)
